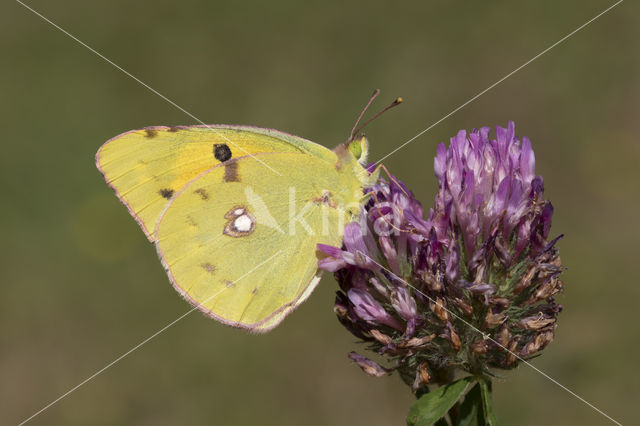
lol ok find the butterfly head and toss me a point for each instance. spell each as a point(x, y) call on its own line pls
point(352, 159)
point(359, 149)
point(353, 152)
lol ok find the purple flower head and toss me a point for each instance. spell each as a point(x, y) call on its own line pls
point(470, 286)
point(488, 189)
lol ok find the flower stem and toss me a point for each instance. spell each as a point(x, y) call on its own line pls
point(487, 402)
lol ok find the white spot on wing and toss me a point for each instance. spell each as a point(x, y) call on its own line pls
point(243, 223)
point(240, 222)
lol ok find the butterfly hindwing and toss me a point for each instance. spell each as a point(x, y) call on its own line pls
point(146, 167)
point(239, 242)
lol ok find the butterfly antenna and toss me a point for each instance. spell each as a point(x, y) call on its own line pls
point(373, 96)
point(397, 102)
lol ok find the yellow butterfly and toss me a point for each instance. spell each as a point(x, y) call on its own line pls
point(236, 212)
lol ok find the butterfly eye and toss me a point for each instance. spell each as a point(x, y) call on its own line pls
point(356, 148)
point(359, 148)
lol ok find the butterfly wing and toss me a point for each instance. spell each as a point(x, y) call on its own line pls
point(239, 243)
point(146, 167)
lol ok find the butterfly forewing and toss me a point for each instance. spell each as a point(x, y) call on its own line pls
point(146, 167)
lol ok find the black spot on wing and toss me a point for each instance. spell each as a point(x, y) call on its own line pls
point(221, 151)
point(174, 129)
point(231, 172)
point(166, 193)
point(150, 133)
point(202, 193)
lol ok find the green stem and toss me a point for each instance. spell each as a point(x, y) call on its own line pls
point(487, 402)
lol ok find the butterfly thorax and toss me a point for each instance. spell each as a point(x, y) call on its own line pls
point(354, 176)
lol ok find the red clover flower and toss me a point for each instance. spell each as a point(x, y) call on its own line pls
point(468, 288)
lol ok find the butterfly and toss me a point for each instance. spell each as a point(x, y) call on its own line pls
point(236, 212)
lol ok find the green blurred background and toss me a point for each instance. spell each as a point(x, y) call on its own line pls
point(81, 285)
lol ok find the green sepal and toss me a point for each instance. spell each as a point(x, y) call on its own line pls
point(434, 405)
